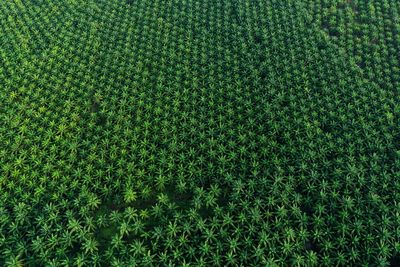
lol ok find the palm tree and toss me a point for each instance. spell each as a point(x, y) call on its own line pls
point(130, 195)
point(90, 245)
point(14, 261)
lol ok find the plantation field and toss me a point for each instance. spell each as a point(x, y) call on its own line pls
point(199, 133)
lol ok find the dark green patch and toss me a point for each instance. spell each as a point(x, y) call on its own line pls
point(182, 200)
point(142, 204)
point(258, 39)
point(310, 245)
point(222, 201)
point(235, 13)
point(263, 74)
point(101, 119)
point(206, 212)
point(95, 106)
point(361, 64)
point(105, 234)
point(326, 128)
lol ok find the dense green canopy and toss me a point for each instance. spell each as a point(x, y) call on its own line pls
point(199, 133)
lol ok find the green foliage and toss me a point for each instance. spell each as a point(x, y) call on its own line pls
point(199, 133)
